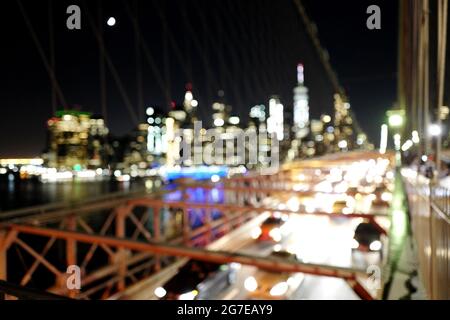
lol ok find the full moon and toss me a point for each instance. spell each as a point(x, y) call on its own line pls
point(111, 21)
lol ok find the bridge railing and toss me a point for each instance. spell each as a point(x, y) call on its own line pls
point(430, 214)
point(24, 293)
point(52, 207)
point(81, 237)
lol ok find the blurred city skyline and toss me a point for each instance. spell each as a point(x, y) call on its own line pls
point(247, 49)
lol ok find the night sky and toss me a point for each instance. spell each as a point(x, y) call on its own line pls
point(249, 49)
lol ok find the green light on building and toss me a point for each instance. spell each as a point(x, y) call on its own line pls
point(76, 113)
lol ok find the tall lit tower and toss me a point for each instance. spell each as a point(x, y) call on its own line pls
point(301, 107)
point(190, 104)
point(275, 122)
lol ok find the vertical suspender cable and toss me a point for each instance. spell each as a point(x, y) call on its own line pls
point(174, 44)
point(147, 53)
point(324, 58)
point(166, 53)
point(414, 74)
point(51, 34)
point(420, 74)
point(426, 74)
point(112, 68)
point(47, 65)
point(441, 65)
point(140, 98)
point(103, 101)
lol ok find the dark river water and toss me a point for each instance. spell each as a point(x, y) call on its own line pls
point(17, 193)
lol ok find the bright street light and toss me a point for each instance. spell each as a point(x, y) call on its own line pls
point(397, 141)
point(407, 145)
point(111, 21)
point(342, 144)
point(395, 120)
point(234, 120)
point(219, 122)
point(415, 137)
point(383, 138)
point(435, 130)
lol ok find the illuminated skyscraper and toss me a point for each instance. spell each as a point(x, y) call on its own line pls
point(343, 124)
point(156, 141)
point(221, 114)
point(177, 123)
point(190, 105)
point(172, 142)
point(136, 156)
point(258, 115)
point(301, 106)
point(98, 148)
point(68, 140)
point(275, 122)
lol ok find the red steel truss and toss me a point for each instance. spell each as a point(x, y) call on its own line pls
point(119, 243)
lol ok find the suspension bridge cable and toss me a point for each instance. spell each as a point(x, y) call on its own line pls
point(166, 60)
point(222, 65)
point(261, 74)
point(50, 71)
point(420, 19)
point(323, 55)
point(209, 74)
point(250, 59)
point(324, 58)
point(271, 36)
point(51, 38)
point(220, 47)
point(441, 64)
point(238, 58)
point(268, 47)
point(210, 78)
point(147, 53)
point(112, 68)
point(414, 71)
point(102, 75)
point(241, 36)
point(227, 68)
point(137, 48)
point(280, 56)
point(260, 46)
point(176, 49)
point(426, 72)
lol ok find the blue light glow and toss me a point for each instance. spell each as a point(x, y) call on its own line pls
point(196, 173)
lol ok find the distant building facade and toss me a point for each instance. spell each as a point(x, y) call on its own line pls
point(76, 141)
